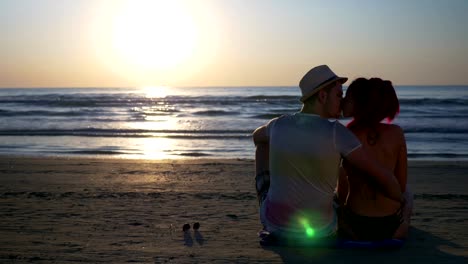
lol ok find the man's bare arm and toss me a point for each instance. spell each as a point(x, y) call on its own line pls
point(262, 162)
point(385, 179)
point(261, 140)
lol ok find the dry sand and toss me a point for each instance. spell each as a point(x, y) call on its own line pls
point(66, 210)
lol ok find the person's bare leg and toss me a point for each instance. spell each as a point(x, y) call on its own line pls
point(402, 231)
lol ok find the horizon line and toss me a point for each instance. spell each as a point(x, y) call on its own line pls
point(196, 86)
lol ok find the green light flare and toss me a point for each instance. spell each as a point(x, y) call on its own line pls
point(310, 232)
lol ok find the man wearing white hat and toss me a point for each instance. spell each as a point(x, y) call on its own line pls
point(298, 157)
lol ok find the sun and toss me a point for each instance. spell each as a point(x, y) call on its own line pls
point(153, 34)
point(154, 42)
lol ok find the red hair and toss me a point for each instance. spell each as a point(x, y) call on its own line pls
point(374, 100)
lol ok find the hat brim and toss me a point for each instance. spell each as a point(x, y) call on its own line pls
point(342, 80)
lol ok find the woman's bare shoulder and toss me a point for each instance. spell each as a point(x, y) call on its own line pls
point(391, 128)
point(392, 133)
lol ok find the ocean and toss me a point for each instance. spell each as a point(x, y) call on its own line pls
point(211, 122)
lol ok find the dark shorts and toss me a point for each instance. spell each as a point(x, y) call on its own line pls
point(372, 228)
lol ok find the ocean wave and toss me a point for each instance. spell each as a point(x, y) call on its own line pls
point(88, 194)
point(435, 116)
point(96, 132)
point(95, 152)
point(123, 100)
point(266, 116)
point(95, 113)
point(246, 136)
point(9, 113)
point(273, 97)
point(89, 101)
point(445, 130)
point(155, 110)
point(194, 154)
point(112, 100)
point(183, 133)
point(448, 196)
point(215, 113)
point(433, 101)
point(437, 155)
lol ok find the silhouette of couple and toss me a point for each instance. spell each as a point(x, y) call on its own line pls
point(316, 178)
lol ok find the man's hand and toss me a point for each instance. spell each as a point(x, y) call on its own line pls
point(384, 178)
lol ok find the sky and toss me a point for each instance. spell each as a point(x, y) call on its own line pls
point(119, 43)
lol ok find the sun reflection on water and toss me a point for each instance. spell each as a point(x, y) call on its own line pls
point(156, 91)
point(157, 148)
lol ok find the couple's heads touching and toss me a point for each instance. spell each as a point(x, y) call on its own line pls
point(368, 100)
point(302, 152)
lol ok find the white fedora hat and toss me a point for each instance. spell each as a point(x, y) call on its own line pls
point(316, 79)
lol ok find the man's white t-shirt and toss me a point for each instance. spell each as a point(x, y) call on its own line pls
point(305, 152)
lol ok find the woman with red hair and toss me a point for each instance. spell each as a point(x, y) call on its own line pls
point(367, 213)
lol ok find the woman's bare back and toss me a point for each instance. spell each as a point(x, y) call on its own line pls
point(386, 143)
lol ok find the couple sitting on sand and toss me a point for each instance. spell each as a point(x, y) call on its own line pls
point(317, 178)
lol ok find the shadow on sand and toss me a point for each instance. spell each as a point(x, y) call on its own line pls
point(422, 247)
point(188, 239)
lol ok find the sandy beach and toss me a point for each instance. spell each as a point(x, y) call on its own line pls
point(67, 210)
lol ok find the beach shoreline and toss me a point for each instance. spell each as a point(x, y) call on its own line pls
point(75, 209)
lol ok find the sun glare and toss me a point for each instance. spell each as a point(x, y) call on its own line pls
point(155, 91)
point(154, 34)
point(160, 42)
